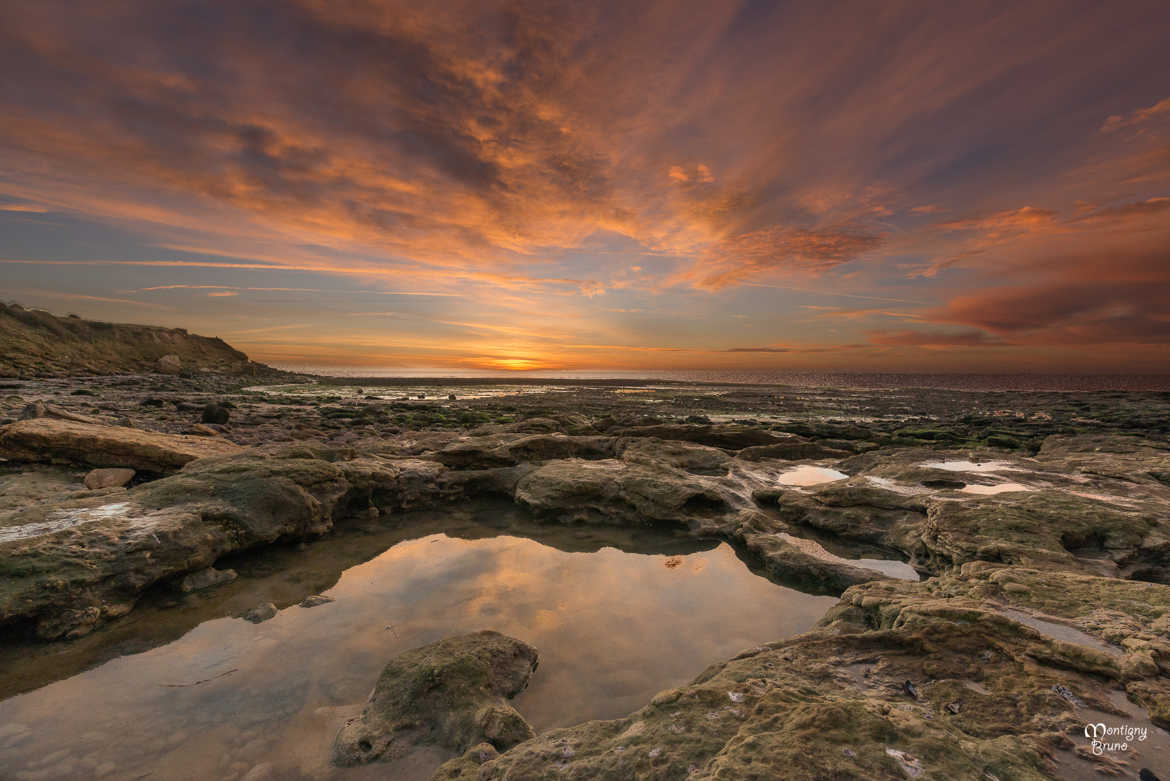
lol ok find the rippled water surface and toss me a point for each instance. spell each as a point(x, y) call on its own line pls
point(612, 628)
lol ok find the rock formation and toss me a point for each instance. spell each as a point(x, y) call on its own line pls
point(453, 694)
point(49, 440)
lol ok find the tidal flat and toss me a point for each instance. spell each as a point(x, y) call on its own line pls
point(204, 576)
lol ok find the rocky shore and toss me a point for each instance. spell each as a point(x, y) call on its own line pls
point(1001, 559)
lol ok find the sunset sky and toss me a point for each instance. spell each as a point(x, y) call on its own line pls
point(592, 185)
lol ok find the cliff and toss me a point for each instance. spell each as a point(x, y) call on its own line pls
point(35, 343)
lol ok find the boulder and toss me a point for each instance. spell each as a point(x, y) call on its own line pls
point(108, 478)
point(486, 452)
point(215, 413)
point(687, 456)
point(451, 694)
point(91, 444)
point(169, 364)
point(260, 613)
point(393, 484)
point(616, 492)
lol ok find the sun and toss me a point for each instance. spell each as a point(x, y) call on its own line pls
point(514, 364)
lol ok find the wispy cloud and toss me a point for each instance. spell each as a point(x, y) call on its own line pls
point(58, 295)
point(1138, 117)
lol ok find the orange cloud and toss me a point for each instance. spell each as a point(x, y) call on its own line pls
point(1027, 218)
point(698, 174)
point(779, 250)
point(1117, 121)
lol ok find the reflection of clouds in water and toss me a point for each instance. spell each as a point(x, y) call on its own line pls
point(421, 568)
point(612, 629)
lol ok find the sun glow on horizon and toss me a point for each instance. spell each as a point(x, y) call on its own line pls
point(514, 364)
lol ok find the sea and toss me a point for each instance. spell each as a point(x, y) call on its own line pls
point(803, 379)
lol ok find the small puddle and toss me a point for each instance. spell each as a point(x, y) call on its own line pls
point(809, 475)
point(612, 629)
point(991, 490)
point(1062, 632)
point(889, 567)
point(972, 466)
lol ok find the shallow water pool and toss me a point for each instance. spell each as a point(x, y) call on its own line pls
point(997, 488)
point(972, 466)
point(808, 474)
point(612, 628)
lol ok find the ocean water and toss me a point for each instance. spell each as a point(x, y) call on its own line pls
point(801, 379)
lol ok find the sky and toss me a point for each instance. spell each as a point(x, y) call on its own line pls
point(942, 187)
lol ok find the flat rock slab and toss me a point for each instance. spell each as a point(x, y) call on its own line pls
point(48, 440)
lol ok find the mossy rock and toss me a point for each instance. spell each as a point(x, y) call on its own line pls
point(451, 694)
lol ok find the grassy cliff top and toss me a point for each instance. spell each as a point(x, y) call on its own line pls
point(35, 343)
